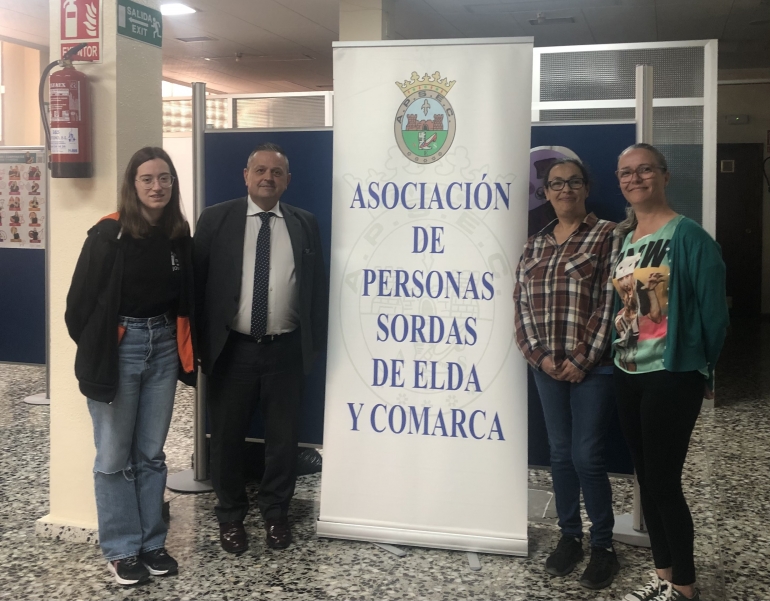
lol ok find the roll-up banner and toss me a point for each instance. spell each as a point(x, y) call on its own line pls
point(425, 439)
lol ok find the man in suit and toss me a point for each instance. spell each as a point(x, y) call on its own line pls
point(262, 304)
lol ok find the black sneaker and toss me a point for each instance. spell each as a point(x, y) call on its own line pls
point(601, 569)
point(128, 571)
point(159, 562)
point(565, 557)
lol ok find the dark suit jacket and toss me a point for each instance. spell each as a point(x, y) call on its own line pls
point(218, 261)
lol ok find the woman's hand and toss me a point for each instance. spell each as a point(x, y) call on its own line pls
point(570, 373)
point(708, 394)
point(550, 368)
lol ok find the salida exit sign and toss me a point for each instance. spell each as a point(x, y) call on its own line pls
point(140, 22)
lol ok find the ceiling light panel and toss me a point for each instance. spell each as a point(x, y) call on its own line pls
point(175, 9)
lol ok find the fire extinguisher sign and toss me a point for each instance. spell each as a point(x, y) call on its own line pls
point(81, 21)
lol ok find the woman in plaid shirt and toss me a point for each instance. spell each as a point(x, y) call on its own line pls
point(563, 299)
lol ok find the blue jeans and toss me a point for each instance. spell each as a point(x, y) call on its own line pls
point(577, 417)
point(130, 466)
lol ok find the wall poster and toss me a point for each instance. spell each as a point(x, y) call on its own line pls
point(22, 198)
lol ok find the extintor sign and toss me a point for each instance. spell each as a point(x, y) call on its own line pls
point(81, 21)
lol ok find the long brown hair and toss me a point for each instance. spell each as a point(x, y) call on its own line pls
point(172, 221)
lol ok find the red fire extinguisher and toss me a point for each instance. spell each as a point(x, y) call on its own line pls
point(69, 134)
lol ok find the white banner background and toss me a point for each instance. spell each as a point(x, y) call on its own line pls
point(456, 487)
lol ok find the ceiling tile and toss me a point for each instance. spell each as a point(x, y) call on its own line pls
point(417, 19)
point(622, 24)
point(739, 23)
point(281, 28)
point(688, 20)
point(547, 34)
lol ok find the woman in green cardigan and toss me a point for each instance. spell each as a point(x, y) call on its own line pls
point(671, 317)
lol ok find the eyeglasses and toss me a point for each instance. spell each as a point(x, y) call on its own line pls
point(146, 181)
point(643, 171)
point(574, 183)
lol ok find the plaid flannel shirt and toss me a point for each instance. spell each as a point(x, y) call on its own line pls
point(564, 295)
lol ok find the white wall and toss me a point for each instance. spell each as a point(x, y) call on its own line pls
point(21, 114)
point(752, 100)
point(127, 115)
point(179, 148)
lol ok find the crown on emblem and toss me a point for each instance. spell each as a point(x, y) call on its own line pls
point(426, 82)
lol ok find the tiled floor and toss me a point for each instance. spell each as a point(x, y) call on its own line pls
point(727, 483)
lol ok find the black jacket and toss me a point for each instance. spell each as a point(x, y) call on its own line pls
point(218, 260)
point(93, 303)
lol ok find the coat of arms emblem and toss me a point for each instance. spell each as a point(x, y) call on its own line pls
point(425, 121)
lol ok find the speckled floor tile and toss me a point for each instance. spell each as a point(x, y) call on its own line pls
point(726, 482)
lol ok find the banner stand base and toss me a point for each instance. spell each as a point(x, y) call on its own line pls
point(185, 482)
point(624, 532)
point(474, 563)
point(391, 549)
point(41, 398)
point(421, 538)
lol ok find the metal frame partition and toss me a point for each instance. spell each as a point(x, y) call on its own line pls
point(232, 111)
point(587, 83)
point(197, 478)
point(201, 122)
point(578, 84)
point(44, 398)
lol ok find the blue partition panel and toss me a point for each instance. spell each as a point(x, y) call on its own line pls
point(598, 146)
point(310, 155)
point(22, 298)
point(22, 272)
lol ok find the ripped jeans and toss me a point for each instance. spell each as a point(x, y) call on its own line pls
point(130, 466)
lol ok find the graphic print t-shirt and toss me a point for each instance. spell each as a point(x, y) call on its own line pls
point(641, 278)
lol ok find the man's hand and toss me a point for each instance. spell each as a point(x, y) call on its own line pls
point(708, 394)
point(550, 368)
point(570, 373)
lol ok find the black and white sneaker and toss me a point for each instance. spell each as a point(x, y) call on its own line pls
point(649, 591)
point(159, 562)
point(669, 593)
point(563, 559)
point(128, 571)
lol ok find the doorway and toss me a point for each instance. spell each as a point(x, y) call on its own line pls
point(739, 224)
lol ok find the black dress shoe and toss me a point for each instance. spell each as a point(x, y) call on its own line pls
point(232, 535)
point(278, 533)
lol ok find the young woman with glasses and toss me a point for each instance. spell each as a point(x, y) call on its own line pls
point(129, 312)
point(563, 298)
point(671, 319)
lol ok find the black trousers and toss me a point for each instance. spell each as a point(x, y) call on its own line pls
point(658, 411)
point(248, 375)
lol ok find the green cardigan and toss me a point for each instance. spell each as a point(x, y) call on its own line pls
point(697, 303)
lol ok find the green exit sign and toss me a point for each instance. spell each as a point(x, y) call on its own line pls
point(140, 22)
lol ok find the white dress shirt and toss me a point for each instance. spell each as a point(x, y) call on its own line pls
point(282, 294)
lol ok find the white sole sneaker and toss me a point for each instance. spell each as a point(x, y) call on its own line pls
point(124, 581)
point(155, 572)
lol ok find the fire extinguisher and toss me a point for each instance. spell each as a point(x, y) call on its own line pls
point(68, 136)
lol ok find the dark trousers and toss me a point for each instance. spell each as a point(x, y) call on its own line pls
point(248, 375)
point(577, 417)
point(658, 411)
